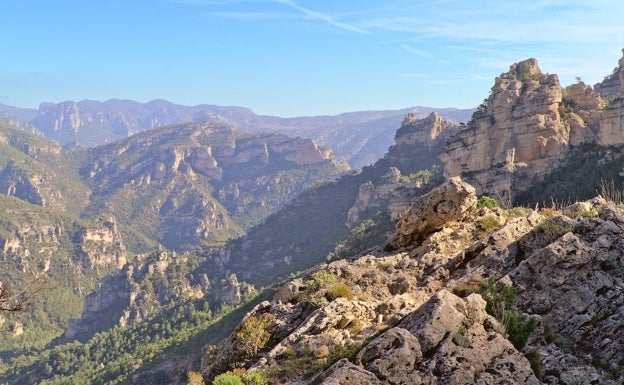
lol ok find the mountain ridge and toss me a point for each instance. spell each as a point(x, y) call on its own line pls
point(359, 137)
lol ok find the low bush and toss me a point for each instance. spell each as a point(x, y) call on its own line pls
point(486, 201)
point(553, 230)
point(517, 326)
point(227, 379)
point(341, 290)
point(487, 224)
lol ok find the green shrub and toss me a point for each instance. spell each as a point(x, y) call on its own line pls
point(320, 287)
point(255, 333)
point(534, 360)
point(341, 290)
point(486, 201)
point(487, 224)
point(552, 230)
point(517, 326)
point(255, 377)
point(227, 379)
point(321, 278)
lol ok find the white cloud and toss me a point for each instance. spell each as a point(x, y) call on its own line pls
point(321, 16)
point(417, 51)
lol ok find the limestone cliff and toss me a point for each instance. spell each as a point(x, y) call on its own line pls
point(611, 86)
point(145, 288)
point(516, 134)
point(530, 126)
point(418, 142)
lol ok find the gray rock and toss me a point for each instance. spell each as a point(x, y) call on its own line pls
point(450, 202)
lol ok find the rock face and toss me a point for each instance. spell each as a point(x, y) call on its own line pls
point(142, 288)
point(410, 317)
point(611, 86)
point(428, 135)
point(515, 136)
point(450, 202)
point(530, 126)
point(447, 340)
point(417, 144)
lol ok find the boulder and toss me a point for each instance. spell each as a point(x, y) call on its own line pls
point(452, 201)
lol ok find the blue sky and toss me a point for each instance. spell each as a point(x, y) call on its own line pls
point(297, 57)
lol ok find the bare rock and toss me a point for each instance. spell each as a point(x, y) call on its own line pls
point(449, 202)
point(391, 356)
point(611, 86)
point(517, 134)
point(344, 372)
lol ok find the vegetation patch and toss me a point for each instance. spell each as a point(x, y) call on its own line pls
point(324, 286)
point(579, 179)
point(487, 224)
point(517, 326)
point(486, 201)
point(254, 333)
point(553, 230)
point(517, 212)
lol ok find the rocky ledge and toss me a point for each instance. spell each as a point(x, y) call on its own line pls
point(487, 296)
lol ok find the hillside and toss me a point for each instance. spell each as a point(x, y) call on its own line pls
point(186, 184)
point(70, 218)
point(359, 137)
point(473, 294)
point(131, 304)
point(304, 232)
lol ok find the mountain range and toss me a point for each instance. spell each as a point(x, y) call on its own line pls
point(198, 252)
point(360, 138)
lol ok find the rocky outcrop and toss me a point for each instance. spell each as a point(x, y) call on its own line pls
point(138, 292)
point(611, 86)
point(516, 135)
point(103, 244)
point(427, 135)
point(529, 126)
point(234, 292)
point(417, 144)
point(410, 317)
point(447, 340)
point(371, 196)
point(15, 182)
point(450, 202)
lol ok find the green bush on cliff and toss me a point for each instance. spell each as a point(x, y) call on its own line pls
point(227, 379)
point(486, 201)
point(517, 326)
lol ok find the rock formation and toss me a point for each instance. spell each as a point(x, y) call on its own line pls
point(529, 126)
point(427, 313)
point(142, 288)
point(611, 86)
point(450, 202)
point(418, 142)
point(516, 135)
point(203, 181)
